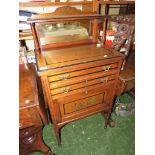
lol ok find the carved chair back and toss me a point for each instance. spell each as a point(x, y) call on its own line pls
point(125, 37)
point(123, 41)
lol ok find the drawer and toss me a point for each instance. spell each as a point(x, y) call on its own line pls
point(81, 66)
point(84, 90)
point(83, 78)
point(82, 103)
point(81, 72)
point(83, 84)
point(25, 119)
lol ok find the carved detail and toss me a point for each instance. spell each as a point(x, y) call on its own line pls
point(62, 11)
point(29, 140)
point(84, 103)
point(124, 18)
point(124, 36)
point(67, 10)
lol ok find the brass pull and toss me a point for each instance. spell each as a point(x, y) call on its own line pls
point(64, 76)
point(106, 68)
point(84, 91)
point(104, 80)
point(20, 125)
point(65, 89)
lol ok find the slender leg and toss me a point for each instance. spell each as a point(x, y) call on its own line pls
point(57, 133)
point(41, 145)
point(58, 136)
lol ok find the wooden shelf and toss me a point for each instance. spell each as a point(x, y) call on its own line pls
point(25, 35)
point(116, 2)
point(26, 38)
point(42, 4)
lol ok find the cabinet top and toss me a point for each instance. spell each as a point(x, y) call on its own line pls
point(72, 55)
point(27, 86)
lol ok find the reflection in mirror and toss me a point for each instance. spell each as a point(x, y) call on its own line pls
point(64, 31)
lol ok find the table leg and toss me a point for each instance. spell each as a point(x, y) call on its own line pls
point(33, 143)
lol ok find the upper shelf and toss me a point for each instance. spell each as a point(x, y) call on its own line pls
point(40, 4)
point(116, 2)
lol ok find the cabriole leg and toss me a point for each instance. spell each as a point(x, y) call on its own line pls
point(108, 119)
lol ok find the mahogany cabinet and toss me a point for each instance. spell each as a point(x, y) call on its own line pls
point(78, 74)
point(32, 114)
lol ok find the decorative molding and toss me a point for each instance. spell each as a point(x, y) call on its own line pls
point(62, 11)
point(29, 140)
point(124, 33)
point(124, 18)
point(67, 10)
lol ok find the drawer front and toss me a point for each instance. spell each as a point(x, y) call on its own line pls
point(85, 83)
point(82, 66)
point(86, 102)
point(85, 90)
point(82, 78)
point(25, 119)
point(68, 75)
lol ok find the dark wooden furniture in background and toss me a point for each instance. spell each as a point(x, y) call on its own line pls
point(126, 81)
point(126, 7)
point(32, 115)
point(78, 77)
point(125, 38)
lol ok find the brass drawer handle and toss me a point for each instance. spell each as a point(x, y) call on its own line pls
point(65, 90)
point(84, 91)
point(64, 76)
point(106, 68)
point(104, 80)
